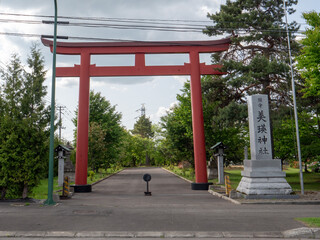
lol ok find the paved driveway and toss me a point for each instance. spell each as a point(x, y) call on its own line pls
point(119, 204)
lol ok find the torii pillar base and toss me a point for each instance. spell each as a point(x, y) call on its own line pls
point(200, 186)
point(82, 188)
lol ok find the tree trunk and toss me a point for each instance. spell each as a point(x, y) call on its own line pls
point(25, 191)
point(3, 192)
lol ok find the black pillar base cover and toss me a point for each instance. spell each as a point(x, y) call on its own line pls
point(200, 186)
point(82, 188)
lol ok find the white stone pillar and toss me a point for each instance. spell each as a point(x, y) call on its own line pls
point(262, 176)
point(220, 166)
point(60, 168)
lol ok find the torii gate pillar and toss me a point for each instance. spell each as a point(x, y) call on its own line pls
point(85, 70)
point(200, 162)
point(83, 126)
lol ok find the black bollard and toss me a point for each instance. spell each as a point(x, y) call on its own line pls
point(147, 178)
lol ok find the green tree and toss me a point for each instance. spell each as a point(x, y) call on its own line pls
point(257, 60)
point(24, 124)
point(143, 127)
point(97, 148)
point(309, 138)
point(133, 150)
point(309, 59)
point(221, 125)
point(108, 120)
point(177, 125)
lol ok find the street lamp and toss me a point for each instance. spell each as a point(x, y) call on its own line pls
point(50, 201)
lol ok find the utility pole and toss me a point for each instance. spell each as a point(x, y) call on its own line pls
point(60, 108)
point(294, 101)
point(50, 201)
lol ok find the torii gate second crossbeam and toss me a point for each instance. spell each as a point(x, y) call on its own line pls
point(86, 70)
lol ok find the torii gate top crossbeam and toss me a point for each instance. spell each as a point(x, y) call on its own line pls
point(139, 49)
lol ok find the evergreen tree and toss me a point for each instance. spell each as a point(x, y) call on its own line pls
point(24, 124)
point(10, 156)
point(143, 127)
point(257, 61)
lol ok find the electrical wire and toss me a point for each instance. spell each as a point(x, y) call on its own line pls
point(107, 19)
point(132, 20)
point(30, 35)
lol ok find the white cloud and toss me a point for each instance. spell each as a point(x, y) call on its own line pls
point(162, 111)
point(67, 82)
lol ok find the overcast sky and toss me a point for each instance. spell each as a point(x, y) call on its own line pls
point(127, 93)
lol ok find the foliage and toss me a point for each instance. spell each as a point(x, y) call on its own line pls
point(256, 61)
point(105, 132)
point(135, 149)
point(221, 125)
point(24, 126)
point(285, 148)
point(187, 173)
point(143, 127)
point(96, 146)
point(177, 125)
point(309, 59)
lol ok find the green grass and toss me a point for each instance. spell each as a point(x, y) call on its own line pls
point(310, 222)
point(41, 191)
point(311, 180)
point(186, 173)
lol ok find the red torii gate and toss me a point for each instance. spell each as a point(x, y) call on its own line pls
point(86, 70)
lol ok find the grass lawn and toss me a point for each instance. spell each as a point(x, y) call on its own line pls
point(41, 191)
point(310, 222)
point(311, 180)
point(186, 173)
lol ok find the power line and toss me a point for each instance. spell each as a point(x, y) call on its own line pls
point(86, 38)
point(170, 27)
point(107, 19)
point(131, 20)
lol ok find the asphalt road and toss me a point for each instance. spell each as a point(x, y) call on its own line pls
point(118, 204)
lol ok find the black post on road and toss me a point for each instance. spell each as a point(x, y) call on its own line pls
point(147, 178)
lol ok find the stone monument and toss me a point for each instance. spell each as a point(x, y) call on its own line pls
point(262, 176)
point(212, 168)
point(220, 147)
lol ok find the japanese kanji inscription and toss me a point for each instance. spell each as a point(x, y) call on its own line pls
point(259, 124)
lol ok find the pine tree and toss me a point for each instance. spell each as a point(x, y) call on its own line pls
point(257, 61)
point(143, 127)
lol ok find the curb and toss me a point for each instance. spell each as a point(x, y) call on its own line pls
point(310, 233)
point(210, 191)
point(310, 202)
point(107, 177)
point(177, 175)
point(224, 197)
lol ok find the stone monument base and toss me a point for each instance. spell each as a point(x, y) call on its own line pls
point(264, 179)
